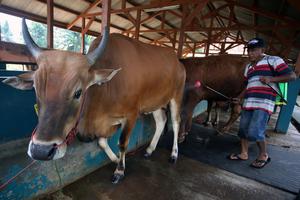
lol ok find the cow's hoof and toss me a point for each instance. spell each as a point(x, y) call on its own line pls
point(215, 124)
point(173, 159)
point(147, 155)
point(116, 178)
point(208, 124)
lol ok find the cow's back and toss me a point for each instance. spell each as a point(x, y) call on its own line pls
point(223, 73)
point(150, 75)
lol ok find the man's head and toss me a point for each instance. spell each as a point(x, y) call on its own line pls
point(256, 49)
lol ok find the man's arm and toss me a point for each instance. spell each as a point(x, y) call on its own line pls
point(239, 99)
point(278, 79)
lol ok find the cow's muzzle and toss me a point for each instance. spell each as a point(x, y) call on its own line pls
point(45, 152)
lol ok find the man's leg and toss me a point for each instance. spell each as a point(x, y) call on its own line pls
point(243, 129)
point(262, 145)
point(257, 130)
point(244, 149)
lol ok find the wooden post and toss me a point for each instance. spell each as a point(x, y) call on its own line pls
point(137, 24)
point(106, 6)
point(209, 38)
point(123, 4)
point(194, 49)
point(297, 67)
point(50, 23)
point(181, 33)
point(82, 36)
point(174, 41)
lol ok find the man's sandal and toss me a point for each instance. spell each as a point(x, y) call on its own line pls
point(260, 163)
point(235, 156)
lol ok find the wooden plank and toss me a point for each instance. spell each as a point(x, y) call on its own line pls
point(15, 53)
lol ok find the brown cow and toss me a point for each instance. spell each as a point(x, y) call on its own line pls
point(150, 79)
point(222, 73)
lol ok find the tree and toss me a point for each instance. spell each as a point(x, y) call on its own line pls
point(66, 40)
point(38, 33)
point(6, 34)
point(87, 42)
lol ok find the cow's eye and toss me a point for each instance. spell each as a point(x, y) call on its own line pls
point(77, 94)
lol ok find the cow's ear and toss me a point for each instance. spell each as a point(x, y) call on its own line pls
point(22, 81)
point(99, 76)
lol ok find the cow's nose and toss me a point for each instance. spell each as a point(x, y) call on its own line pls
point(42, 152)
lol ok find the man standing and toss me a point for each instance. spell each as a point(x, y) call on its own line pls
point(261, 76)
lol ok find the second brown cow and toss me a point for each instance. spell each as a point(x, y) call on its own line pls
point(222, 73)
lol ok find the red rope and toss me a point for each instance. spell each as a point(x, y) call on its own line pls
point(15, 176)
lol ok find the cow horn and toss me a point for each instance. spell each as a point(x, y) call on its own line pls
point(96, 53)
point(31, 45)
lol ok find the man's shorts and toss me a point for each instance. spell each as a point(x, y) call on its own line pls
point(253, 125)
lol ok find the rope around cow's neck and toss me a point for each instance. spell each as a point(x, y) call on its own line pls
point(198, 84)
point(70, 137)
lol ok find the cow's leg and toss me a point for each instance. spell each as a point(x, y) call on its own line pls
point(217, 118)
point(160, 121)
point(208, 121)
point(104, 145)
point(235, 113)
point(123, 143)
point(186, 119)
point(175, 115)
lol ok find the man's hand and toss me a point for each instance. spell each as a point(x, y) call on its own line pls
point(236, 100)
point(265, 79)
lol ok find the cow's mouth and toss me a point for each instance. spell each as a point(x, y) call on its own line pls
point(46, 152)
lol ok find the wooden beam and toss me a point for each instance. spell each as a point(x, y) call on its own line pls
point(86, 28)
point(146, 19)
point(195, 12)
point(235, 27)
point(137, 24)
point(74, 12)
point(209, 39)
point(50, 24)
point(181, 33)
point(93, 5)
point(123, 4)
point(82, 49)
point(265, 13)
point(151, 5)
point(255, 3)
point(106, 7)
point(15, 53)
point(194, 49)
point(37, 18)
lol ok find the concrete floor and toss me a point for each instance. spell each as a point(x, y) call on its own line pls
point(157, 179)
point(188, 179)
